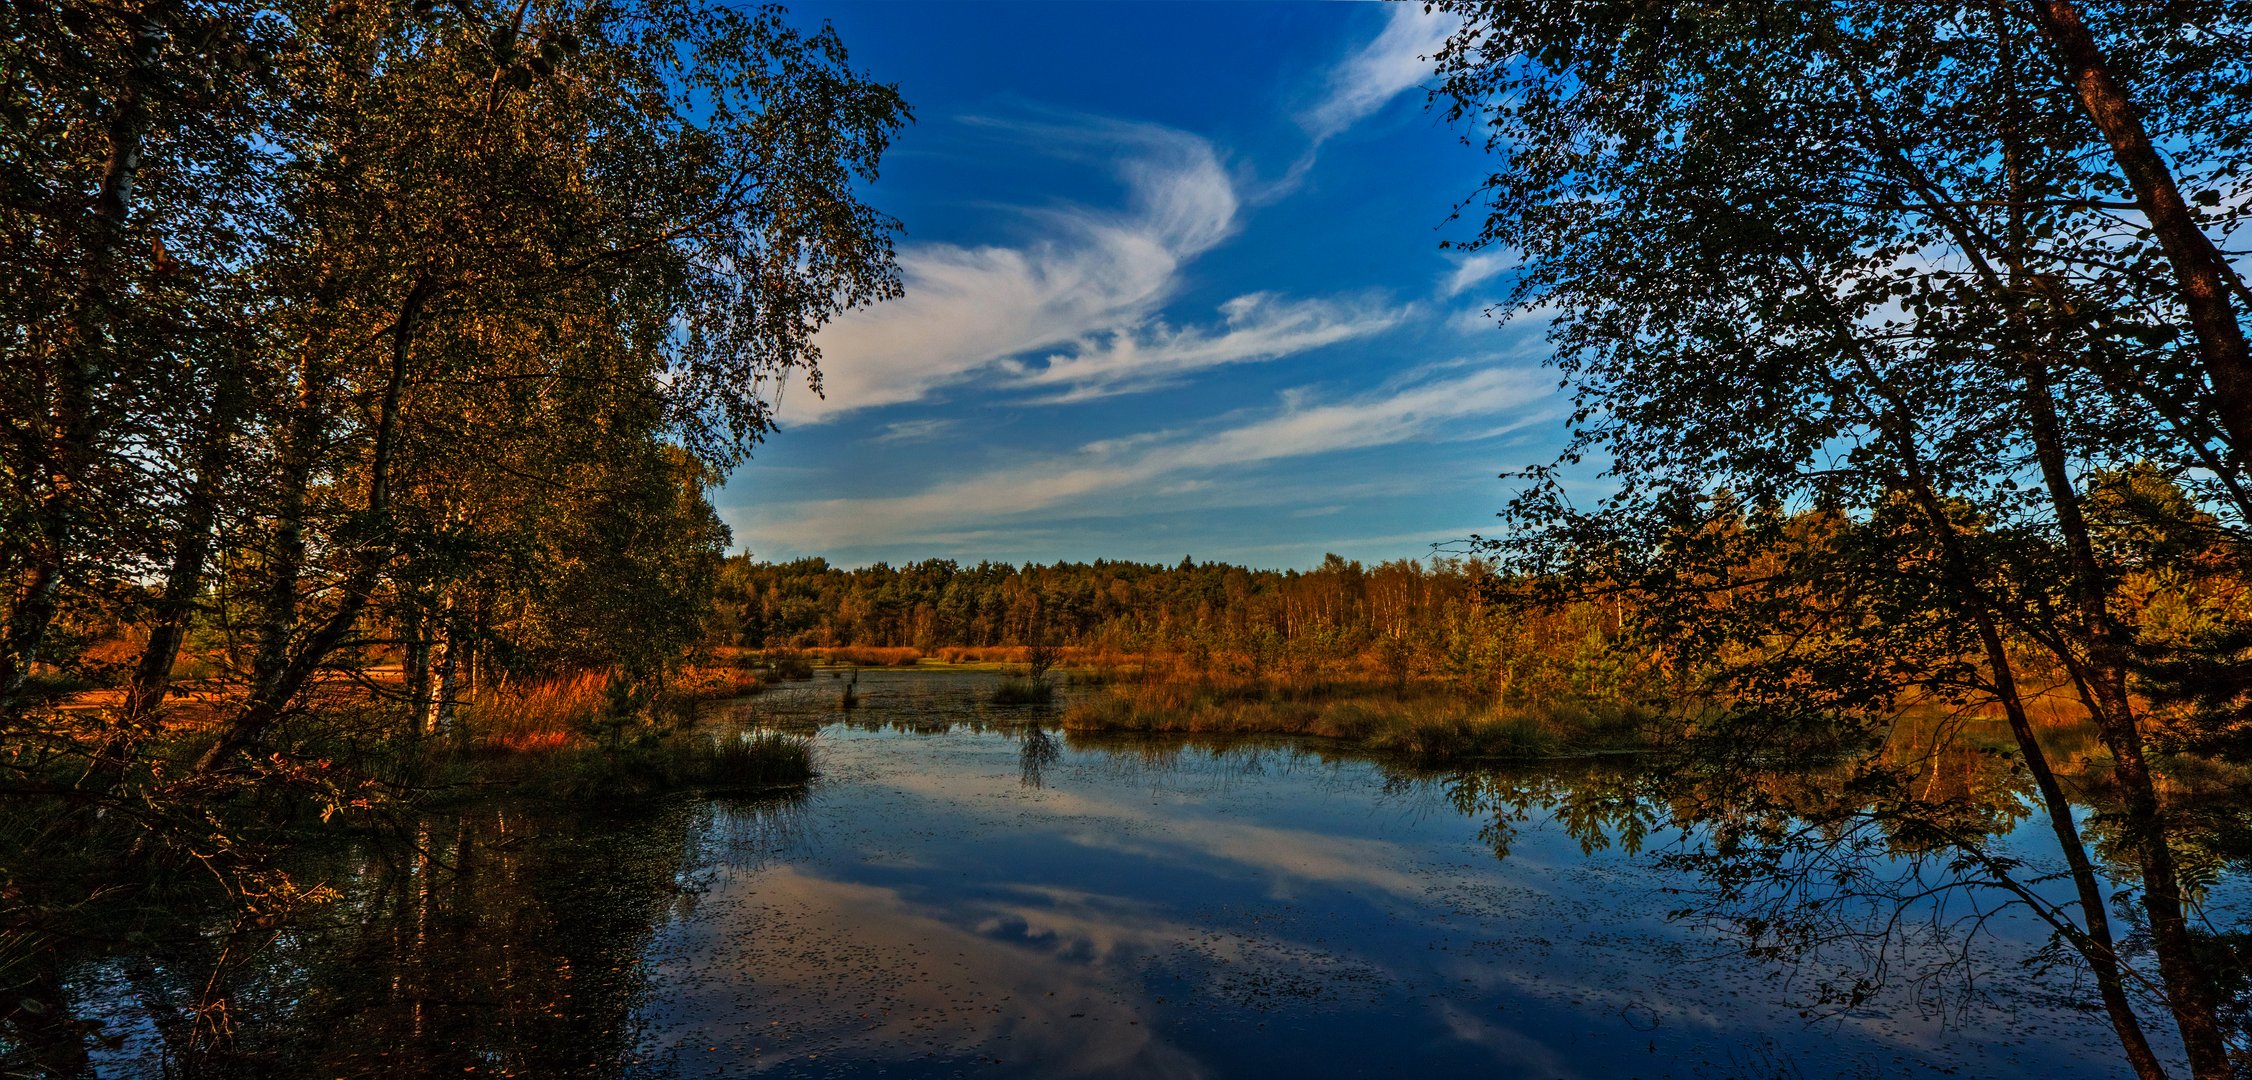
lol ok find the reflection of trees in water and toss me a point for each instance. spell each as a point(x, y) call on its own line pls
point(1864, 860)
point(1036, 751)
point(498, 938)
point(1861, 859)
point(1875, 866)
point(504, 937)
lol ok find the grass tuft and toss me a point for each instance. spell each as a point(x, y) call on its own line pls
point(731, 762)
point(1024, 690)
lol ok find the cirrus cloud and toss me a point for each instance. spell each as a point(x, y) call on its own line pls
point(1138, 473)
point(967, 308)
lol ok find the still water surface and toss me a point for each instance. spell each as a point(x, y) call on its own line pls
point(956, 896)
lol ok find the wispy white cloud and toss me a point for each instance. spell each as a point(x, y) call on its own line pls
point(1473, 320)
point(1254, 327)
point(1087, 293)
point(1476, 268)
point(1394, 62)
point(915, 430)
point(1305, 551)
point(966, 308)
point(1093, 282)
point(1137, 474)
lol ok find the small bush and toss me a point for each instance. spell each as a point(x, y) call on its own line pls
point(704, 683)
point(1431, 726)
point(788, 666)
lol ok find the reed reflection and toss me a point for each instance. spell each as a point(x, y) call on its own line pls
point(498, 939)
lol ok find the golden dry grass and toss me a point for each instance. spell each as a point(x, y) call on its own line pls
point(539, 716)
point(871, 656)
point(708, 682)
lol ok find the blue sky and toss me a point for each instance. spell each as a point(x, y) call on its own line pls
point(1174, 287)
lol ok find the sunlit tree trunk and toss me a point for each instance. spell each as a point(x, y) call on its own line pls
point(441, 720)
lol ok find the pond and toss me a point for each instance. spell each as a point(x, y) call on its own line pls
point(960, 893)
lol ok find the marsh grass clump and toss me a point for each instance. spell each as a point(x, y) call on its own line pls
point(598, 735)
point(712, 682)
point(754, 759)
point(1446, 734)
point(729, 762)
point(1024, 690)
point(1432, 725)
point(536, 717)
point(982, 654)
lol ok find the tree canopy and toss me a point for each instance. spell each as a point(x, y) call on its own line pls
point(329, 315)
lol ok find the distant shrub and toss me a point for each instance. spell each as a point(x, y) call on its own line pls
point(709, 682)
point(1432, 726)
point(788, 665)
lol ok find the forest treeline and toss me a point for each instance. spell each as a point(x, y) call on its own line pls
point(1403, 622)
point(1127, 606)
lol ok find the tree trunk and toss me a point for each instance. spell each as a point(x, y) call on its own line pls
point(272, 694)
point(449, 669)
point(2095, 941)
point(2189, 989)
point(416, 662)
point(2203, 279)
point(191, 547)
point(63, 438)
point(285, 557)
